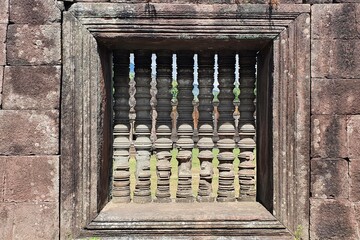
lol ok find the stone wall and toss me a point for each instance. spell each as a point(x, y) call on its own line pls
point(30, 77)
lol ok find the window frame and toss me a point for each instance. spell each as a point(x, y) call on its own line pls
point(86, 108)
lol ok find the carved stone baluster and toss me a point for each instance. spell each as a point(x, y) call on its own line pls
point(185, 145)
point(226, 64)
point(121, 88)
point(121, 175)
point(174, 101)
point(206, 80)
point(163, 144)
point(205, 144)
point(143, 146)
point(216, 92)
point(185, 80)
point(247, 143)
point(164, 84)
point(205, 156)
point(153, 100)
point(185, 142)
point(163, 147)
point(143, 84)
point(195, 101)
point(226, 144)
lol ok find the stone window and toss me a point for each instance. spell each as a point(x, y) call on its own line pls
point(100, 37)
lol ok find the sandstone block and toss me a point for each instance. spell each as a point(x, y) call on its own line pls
point(353, 132)
point(29, 132)
point(317, 1)
point(34, 12)
point(346, 1)
point(2, 175)
point(357, 211)
point(197, 1)
point(31, 178)
point(330, 21)
point(332, 219)
point(329, 178)
point(354, 172)
point(328, 136)
point(6, 220)
point(4, 13)
point(335, 58)
point(35, 221)
point(33, 44)
point(31, 87)
point(2, 43)
point(335, 96)
point(1, 83)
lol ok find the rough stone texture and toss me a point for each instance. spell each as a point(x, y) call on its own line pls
point(2, 179)
point(317, 1)
point(6, 220)
point(337, 21)
point(29, 221)
point(34, 12)
point(346, 1)
point(354, 172)
point(357, 212)
point(328, 136)
point(1, 83)
point(33, 44)
point(335, 58)
point(29, 132)
point(4, 13)
point(33, 179)
point(31, 87)
point(3, 28)
point(353, 130)
point(198, 1)
point(329, 178)
point(332, 219)
point(335, 96)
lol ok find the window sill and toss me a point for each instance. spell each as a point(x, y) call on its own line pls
point(192, 219)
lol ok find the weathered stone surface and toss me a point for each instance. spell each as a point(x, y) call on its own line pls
point(329, 178)
point(29, 132)
point(335, 96)
point(317, 1)
point(4, 13)
point(34, 12)
point(334, 21)
point(197, 1)
point(328, 136)
point(357, 212)
point(332, 219)
point(32, 178)
point(346, 1)
point(29, 221)
point(1, 83)
point(3, 28)
point(2, 179)
point(335, 58)
point(33, 44)
point(31, 87)
point(353, 134)
point(6, 220)
point(354, 173)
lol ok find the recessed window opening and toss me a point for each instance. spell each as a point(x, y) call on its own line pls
point(184, 126)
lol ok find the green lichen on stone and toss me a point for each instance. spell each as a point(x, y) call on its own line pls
point(174, 90)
